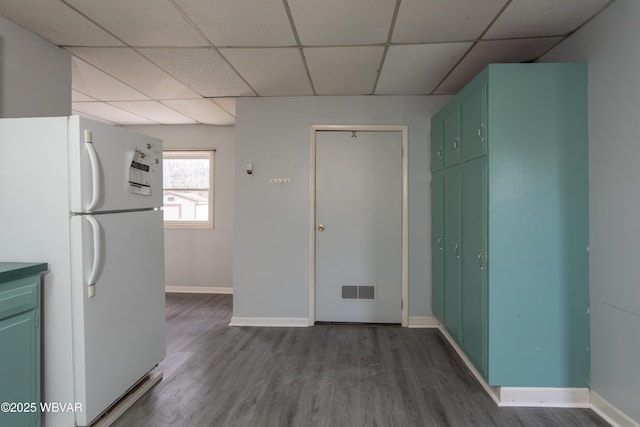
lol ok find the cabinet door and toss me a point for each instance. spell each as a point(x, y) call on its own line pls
point(473, 123)
point(19, 372)
point(452, 251)
point(437, 246)
point(474, 256)
point(437, 149)
point(451, 135)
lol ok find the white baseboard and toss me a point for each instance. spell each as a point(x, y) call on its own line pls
point(549, 397)
point(200, 289)
point(423, 322)
point(610, 413)
point(525, 396)
point(277, 322)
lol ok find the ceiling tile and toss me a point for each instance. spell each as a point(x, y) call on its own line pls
point(241, 23)
point(142, 22)
point(488, 52)
point(344, 70)
point(271, 72)
point(525, 18)
point(202, 69)
point(92, 82)
point(110, 113)
point(417, 69)
point(68, 28)
point(227, 104)
point(135, 70)
point(80, 97)
point(202, 110)
point(340, 22)
point(154, 110)
point(427, 21)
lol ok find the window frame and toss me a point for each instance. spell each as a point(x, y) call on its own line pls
point(208, 154)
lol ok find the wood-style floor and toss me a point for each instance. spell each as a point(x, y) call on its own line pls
point(216, 375)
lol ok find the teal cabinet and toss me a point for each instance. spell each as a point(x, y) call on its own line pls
point(451, 136)
point(437, 146)
point(452, 250)
point(437, 246)
point(20, 343)
point(472, 117)
point(516, 300)
point(474, 254)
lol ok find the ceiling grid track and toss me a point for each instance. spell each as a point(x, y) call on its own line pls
point(495, 18)
point(212, 46)
point(386, 46)
point(299, 44)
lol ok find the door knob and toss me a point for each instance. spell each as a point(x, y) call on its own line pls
point(320, 227)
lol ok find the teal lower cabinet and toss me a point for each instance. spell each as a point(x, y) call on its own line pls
point(20, 344)
point(474, 250)
point(452, 251)
point(437, 246)
point(513, 291)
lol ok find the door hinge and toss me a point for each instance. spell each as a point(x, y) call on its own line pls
point(37, 321)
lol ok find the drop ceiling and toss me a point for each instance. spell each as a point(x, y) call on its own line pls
point(186, 61)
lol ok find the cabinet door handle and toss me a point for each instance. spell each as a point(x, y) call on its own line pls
point(439, 243)
point(456, 145)
point(481, 132)
point(481, 260)
point(456, 250)
point(439, 153)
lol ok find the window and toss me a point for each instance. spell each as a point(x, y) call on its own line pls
point(188, 189)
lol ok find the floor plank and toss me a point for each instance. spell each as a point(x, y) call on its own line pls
point(326, 375)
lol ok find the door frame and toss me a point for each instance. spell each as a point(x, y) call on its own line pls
point(312, 210)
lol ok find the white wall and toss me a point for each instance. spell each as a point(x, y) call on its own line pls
point(271, 223)
point(609, 44)
point(35, 75)
point(202, 258)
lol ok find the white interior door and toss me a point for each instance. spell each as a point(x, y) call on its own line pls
point(358, 227)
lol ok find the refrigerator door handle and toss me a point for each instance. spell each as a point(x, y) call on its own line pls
point(95, 171)
point(97, 255)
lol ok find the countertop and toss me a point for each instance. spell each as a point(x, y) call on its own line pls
point(15, 270)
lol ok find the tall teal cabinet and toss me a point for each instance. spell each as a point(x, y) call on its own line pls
point(510, 224)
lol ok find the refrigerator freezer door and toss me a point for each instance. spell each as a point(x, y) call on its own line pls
point(118, 333)
point(112, 168)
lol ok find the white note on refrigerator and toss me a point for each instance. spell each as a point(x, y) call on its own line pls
point(139, 182)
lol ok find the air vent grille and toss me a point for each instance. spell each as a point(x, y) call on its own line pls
point(358, 292)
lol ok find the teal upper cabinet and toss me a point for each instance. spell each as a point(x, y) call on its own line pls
point(516, 224)
point(472, 117)
point(451, 135)
point(437, 146)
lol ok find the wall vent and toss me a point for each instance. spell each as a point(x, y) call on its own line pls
point(358, 292)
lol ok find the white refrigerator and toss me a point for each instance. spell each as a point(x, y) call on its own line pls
point(86, 198)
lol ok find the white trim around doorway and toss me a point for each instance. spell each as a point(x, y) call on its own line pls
point(405, 210)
